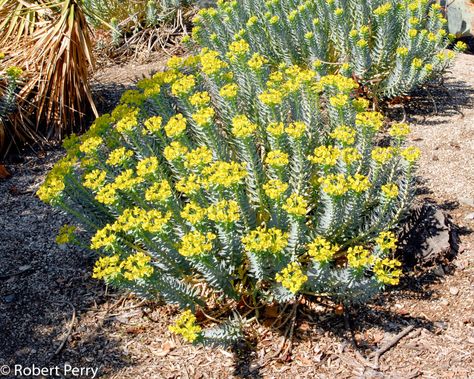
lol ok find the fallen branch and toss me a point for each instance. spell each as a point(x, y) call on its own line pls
point(71, 325)
point(386, 347)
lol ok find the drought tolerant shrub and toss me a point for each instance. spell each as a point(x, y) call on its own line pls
point(391, 47)
point(218, 183)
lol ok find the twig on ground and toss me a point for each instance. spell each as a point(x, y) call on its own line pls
point(378, 353)
point(69, 331)
point(353, 341)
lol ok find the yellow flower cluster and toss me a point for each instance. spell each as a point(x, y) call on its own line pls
point(158, 192)
point(128, 122)
point(224, 211)
point(132, 219)
point(229, 91)
point(358, 257)
point(199, 157)
point(186, 326)
point(203, 116)
point(126, 180)
point(174, 151)
point(339, 101)
point(334, 184)
point(390, 190)
point(296, 205)
point(387, 271)
point(382, 154)
point(107, 267)
point(350, 155)
point(275, 188)
point(344, 134)
point(137, 266)
point(358, 183)
point(292, 277)
point(107, 194)
point(242, 127)
point(94, 179)
point(276, 129)
point(176, 126)
point(91, 145)
point(277, 158)
point(325, 155)
point(103, 238)
point(271, 97)
point(147, 167)
point(383, 9)
point(189, 184)
point(257, 61)
point(66, 234)
point(411, 154)
point(183, 85)
point(210, 62)
point(322, 250)
point(399, 130)
point(387, 241)
point(372, 120)
point(340, 83)
point(193, 213)
point(225, 174)
point(239, 48)
point(296, 129)
point(196, 243)
point(119, 156)
point(200, 99)
point(261, 240)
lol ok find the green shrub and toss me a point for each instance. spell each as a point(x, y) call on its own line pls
point(391, 47)
point(219, 182)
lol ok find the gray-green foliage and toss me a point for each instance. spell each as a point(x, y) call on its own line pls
point(391, 47)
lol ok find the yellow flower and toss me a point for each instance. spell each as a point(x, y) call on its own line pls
point(383, 9)
point(411, 154)
point(225, 174)
point(344, 134)
point(390, 190)
point(412, 33)
point(239, 48)
point(174, 62)
point(126, 180)
point(322, 250)
point(189, 184)
point(260, 240)
point(128, 122)
point(198, 157)
point(174, 151)
point(252, 21)
point(296, 205)
point(257, 61)
point(186, 326)
point(242, 127)
point(224, 211)
point(277, 158)
point(196, 243)
point(359, 183)
point(203, 117)
point(402, 51)
point(137, 266)
point(119, 156)
point(95, 179)
point(292, 277)
point(91, 145)
point(211, 63)
point(175, 126)
point(183, 85)
point(271, 97)
point(325, 155)
point(358, 257)
point(417, 63)
point(387, 241)
point(103, 238)
point(296, 129)
point(107, 195)
point(334, 184)
point(107, 267)
point(275, 188)
point(387, 271)
point(229, 91)
point(200, 99)
point(158, 192)
point(193, 213)
point(147, 166)
point(276, 129)
point(373, 120)
point(382, 154)
point(51, 189)
point(66, 234)
point(350, 155)
point(399, 130)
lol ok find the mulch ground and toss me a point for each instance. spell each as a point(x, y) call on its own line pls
point(52, 312)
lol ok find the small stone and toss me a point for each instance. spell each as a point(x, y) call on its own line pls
point(9, 298)
point(469, 216)
point(467, 201)
point(444, 302)
point(453, 290)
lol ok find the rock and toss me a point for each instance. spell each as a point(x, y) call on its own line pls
point(467, 201)
point(453, 290)
point(469, 216)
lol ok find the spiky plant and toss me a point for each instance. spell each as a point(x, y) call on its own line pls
point(219, 182)
point(390, 47)
point(55, 52)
